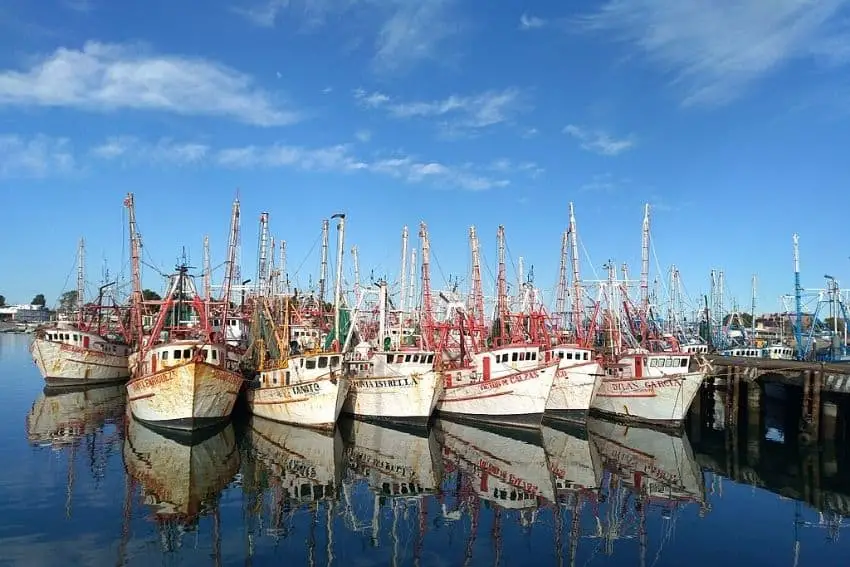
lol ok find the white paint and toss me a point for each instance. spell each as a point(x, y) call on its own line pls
point(569, 461)
point(60, 355)
point(576, 380)
point(657, 400)
point(66, 417)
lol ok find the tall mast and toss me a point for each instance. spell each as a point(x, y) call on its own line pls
point(340, 227)
point(81, 280)
point(284, 279)
point(644, 262)
point(561, 298)
point(477, 298)
point(427, 315)
point(578, 304)
point(355, 259)
point(274, 276)
point(411, 292)
point(798, 298)
point(135, 266)
point(207, 269)
point(501, 284)
point(753, 313)
point(323, 274)
point(263, 256)
point(403, 282)
point(230, 265)
point(520, 275)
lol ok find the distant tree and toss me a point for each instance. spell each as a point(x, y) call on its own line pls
point(150, 295)
point(2, 301)
point(68, 300)
point(829, 323)
point(39, 300)
point(745, 319)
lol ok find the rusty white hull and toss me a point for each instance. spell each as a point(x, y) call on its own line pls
point(66, 416)
point(508, 471)
point(63, 363)
point(314, 404)
point(646, 459)
point(661, 401)
point(186, 397)
point(573, 389)
point(568, 455)
point(177, 479)
point(409, 399)
point(407, 463)
point(517, 399)
point(305, 463)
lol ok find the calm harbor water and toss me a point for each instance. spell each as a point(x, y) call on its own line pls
point(81, 484)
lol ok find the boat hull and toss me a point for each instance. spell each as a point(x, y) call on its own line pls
point(406, 399)
point(661, 402)
point(316, 404)
point(63, 364)
point(573, 390)
point(186, 397)
point(569, 458)
point(516, 400)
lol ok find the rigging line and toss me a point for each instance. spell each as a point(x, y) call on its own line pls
point(589, 261)
point(306, 257)
point(658, 267)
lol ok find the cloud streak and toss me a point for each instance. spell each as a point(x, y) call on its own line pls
point(108, 77)
point(405, 33)
point(716, 50)
point(455, 112)
point(598, 141)
point(36, 157)
point(339, 158)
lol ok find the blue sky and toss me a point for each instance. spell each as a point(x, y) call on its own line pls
point(729, 118)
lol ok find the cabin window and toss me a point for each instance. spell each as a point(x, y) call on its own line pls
point(683, 362)
point(586, 356)
point(414, 358)
point(514, 357)
point(430, 358)
point(561, 354)
point(187, 353)
point(323, 362)
point(274, 378)
point(76, 338)
point(311, 364)
point(206, 354)
point(407, 358)
point(390, 358)
point(521, 356)
point(334, 361)
point(215, 354)
point(177, 354)
point(286, 378)
point(165, 355)
point(533, 355)
point(569, 356)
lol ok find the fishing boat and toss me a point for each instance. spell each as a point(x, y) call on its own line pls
point(63, 416)
point(576, 381)
point(297, 386)
point(91, 349)
point(389, 381)
point(183, 375)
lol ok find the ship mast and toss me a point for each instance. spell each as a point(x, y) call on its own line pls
point(561, 298)
point(355, 259)
point(230, 264)
point(644, 272)
point(81, 281)
point(323, 274)
point(403, 282)
point(411, 292)
point(135, 266)
point(284, 279)
point(207, 270)
point(263, 256)
point(338, 284)
point(477, 297)
point(578, 306)
point(501, 286)
point(427, 315)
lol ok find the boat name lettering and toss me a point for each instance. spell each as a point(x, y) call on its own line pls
point(562, 373)
point(492, 469)
point(386, 383)
point(304, 389)
point(156, 380)
point(300, 468)
point(646, 465)
point(634, 386)
point(364, 463)
point(512, 379)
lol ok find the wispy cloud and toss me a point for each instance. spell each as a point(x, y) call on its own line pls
point(36, 157)
point(603, 183)
point(165, 151)
point(505, 165)
point(715, 50)
point(598, 141)
point(527, 22)
point(405, 32)
point(79, 5)
point(363, 135)
point(455, 112)
point(103, 77)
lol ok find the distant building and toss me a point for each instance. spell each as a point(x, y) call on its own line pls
point(25, 313)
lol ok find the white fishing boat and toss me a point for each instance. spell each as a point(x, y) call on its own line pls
point(576, 381)
point(305, 463)
point(568, 455)
point(509, 471)
point(296, 387)
point(394, 462)
point(506, 386)
point(649, 387)
point(659, 465)
point(184, 376)
point(180, 480)
point(91, 349)
point(390, 382)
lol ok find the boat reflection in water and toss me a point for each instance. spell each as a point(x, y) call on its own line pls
point(651, 469)
point(62, 416)
point(568, 453)
point(506, 468)
point(181, 478)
